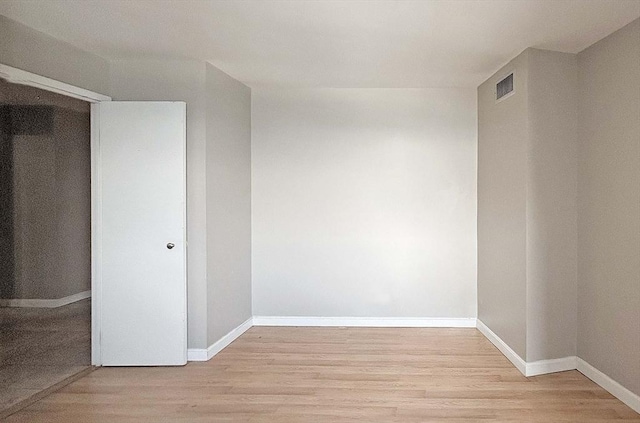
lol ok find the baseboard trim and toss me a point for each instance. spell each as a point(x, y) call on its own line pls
point(543, 367)
point(536, 368)
point(382, 322)
point(610, 385)
point(197, 354)
point(202, 354)
point(532, 368)
point(45, 303)
point(505, 349)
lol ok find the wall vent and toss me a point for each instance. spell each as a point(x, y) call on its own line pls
point(504, 87)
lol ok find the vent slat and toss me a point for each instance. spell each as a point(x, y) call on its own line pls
point(504, 87)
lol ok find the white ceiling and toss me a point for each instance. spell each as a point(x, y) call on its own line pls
point(330, 43)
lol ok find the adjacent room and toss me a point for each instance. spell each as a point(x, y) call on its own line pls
point(45, 279)
point(320, 211)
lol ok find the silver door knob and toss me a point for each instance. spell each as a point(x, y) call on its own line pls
point(171, 245)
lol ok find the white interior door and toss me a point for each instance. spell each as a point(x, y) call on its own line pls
point(143, 302)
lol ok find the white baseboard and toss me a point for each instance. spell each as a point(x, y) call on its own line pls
point(532, 368)
point(382, 322)
point(201, 354)
point(614, 388)
point(197, 354)
point(543, 367)
point(503, 347)
point(45, 303)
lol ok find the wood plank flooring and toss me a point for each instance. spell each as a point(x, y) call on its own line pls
point(335, 375)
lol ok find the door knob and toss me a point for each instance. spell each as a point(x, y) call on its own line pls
point(171, 245)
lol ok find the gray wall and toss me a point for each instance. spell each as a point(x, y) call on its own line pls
point(228, 203)
point(364, 202)
point(502, 205)
point(179, 80)
point(33, 51)
point(27, 49)
point(552, 273)
point(50, 195)
point(527, 189)
point(581, 128)
point(7, 254)
point(609, 206)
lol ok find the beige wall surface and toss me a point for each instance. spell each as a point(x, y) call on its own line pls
point(7, 254)
point(228, 203)
point(33, 51)
point(49, 194)
point(364, 202)
point(527, 189)
point(24, 48)
point(179, 80)
point(53, 209)
point(580, 124)
point(609, 206)
point(551, 205)
point(502, 205)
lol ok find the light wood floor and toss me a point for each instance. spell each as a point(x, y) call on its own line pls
point(335, 375)
point(41, 347)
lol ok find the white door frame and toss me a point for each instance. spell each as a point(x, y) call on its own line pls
point(19, 76)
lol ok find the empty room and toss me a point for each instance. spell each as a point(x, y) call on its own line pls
point(319, 211)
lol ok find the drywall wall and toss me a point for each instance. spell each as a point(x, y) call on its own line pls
point(364, 202)
point(49, 190)
point(527, 195)
point(179, 80)
point(502, 205)
point(52, 213)
point(7, 255)
point(73, 179)
point(551, 225)
point(609, 206)
point(25, 48)
point(228, 203)
point(33, 51)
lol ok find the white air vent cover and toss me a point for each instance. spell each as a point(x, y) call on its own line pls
point(504, 87)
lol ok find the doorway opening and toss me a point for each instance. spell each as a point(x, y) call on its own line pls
point(45, 242)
